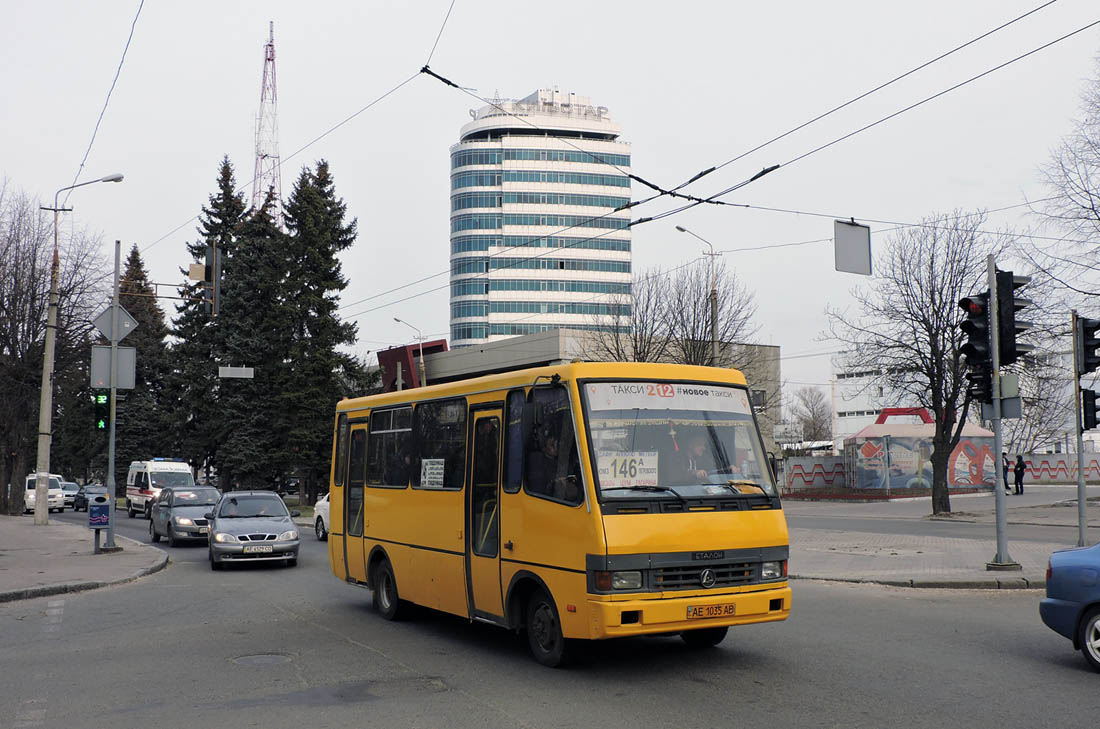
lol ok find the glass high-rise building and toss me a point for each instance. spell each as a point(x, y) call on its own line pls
point(537, 240)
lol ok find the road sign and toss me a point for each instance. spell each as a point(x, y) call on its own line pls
point(126, 323)
point(852, 247)
point(101, 366)
point(241, 372)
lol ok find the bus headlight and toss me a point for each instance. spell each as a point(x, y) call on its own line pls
point(631, 580)
point(773, 570)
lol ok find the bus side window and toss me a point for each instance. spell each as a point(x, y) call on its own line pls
point(513, 441)
point(441, 441)
point(389, 450)
point(354, 512)
point(341, 449)
point(552, 465)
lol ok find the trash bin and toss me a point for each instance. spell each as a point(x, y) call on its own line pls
point(99, 507)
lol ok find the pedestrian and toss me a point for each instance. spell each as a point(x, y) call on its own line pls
point(1005, 465)
point(1019, 471)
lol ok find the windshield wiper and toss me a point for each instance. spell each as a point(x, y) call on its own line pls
point(661, 489)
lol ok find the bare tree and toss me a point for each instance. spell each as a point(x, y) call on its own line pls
point(1073, 176)
point(688, 317)
point(637, 331)
point(813, 413)
point(906, 326)
point(1047, 406)
point(26, 249)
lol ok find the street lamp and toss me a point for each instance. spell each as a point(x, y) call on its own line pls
point(420, 338)
point(713, 298)
point(45, 405)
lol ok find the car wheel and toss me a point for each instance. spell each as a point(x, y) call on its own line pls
point(130, 509)
point(153, 536)
point(319, 528)
point(171, 537)
point(544, 637)
point(1088, 638)
point(292, 562)
point(149, 511)
point(214, 564)
point(386, 599)
point(704, 637)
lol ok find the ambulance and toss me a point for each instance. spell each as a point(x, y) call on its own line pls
point(146, 478)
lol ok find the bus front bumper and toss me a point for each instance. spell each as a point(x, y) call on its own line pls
point(612, 619)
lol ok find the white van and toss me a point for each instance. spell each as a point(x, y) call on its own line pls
point(146, 478)
point(55, 497)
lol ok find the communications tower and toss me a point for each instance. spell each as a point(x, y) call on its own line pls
point(267, 176)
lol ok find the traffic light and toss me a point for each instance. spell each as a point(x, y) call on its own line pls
point(977, 347)
point(1088, 409)
point(102, 408)
point(1088, 359)
point(1008, 327)
point(212, 281)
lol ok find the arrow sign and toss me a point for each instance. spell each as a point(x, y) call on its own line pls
point(126, 323)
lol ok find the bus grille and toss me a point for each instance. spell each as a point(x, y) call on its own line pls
point(689, 577)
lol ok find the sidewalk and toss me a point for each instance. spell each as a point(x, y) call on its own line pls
point(829, 553)
point(57, 558)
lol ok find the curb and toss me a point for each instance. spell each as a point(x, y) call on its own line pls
point(64, 587)
point(1009, 583)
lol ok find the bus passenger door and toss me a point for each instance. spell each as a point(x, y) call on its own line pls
point(354, 557)
point(483, 517)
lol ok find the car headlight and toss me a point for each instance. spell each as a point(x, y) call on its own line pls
point(224, 537)
point(184, 521)
point(773, 570)
point(288, 536)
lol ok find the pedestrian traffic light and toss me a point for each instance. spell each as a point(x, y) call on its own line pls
point(977, 347)
point(102, 407)
point(1088, 358)
point(1008, 326)
point(1088, 409)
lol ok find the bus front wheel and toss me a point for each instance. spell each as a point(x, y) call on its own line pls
point(704, 637)
point(548, 646)
point(386, 600)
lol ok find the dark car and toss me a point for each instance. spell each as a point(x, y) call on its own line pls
point(80, 498)
point(179, 513)
point(250, 526)
point(1072, 605)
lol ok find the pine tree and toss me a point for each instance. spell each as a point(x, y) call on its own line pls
point(318, 232)
point(194, 383)
point(253, 331)
point(141, 418)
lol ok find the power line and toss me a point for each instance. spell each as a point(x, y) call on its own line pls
point(106, 101)
point(440, 34)
point(864, 95)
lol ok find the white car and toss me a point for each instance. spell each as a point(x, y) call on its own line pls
point(320, 524)
point(55, 497)
point(69, 489)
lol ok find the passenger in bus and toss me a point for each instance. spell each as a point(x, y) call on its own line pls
point(543, 471)
point(697, 462)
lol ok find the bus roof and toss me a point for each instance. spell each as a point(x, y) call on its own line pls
point(573, 371)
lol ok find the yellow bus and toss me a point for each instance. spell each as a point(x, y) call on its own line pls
point(580, 501)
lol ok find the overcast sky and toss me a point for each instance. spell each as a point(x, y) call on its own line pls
point(691, 84)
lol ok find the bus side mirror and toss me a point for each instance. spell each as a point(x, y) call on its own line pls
point(774, 466)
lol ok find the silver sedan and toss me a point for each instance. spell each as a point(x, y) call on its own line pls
point(252, 526)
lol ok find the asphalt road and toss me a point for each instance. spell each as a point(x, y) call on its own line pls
point(290, 647)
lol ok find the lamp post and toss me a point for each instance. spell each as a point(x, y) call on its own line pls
point(420, 338)
point(45, 405)
point(713, 298)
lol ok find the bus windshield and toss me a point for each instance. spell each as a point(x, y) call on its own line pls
point(692, 440)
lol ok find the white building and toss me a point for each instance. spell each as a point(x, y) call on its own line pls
point(858, 399)
point(537, 240)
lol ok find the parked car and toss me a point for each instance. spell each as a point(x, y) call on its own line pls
point(1072, 605)
point(252, 526)
point(320, 524)
point(68, 491)
point(179, 513)
point(55, 497)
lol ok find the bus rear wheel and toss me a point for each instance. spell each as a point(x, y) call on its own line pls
point(704, 637)
point(544, 636)
point(386, 600)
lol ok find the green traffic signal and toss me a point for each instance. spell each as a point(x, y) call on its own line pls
point(102, 406)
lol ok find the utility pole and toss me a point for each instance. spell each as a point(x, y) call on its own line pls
point(110, 545)
point(1002, 560)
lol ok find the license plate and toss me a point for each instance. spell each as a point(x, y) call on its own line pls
point(254, 548)
point(698, 612)
point(204, 530)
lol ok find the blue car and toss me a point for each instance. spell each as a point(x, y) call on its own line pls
point(1072, 605)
